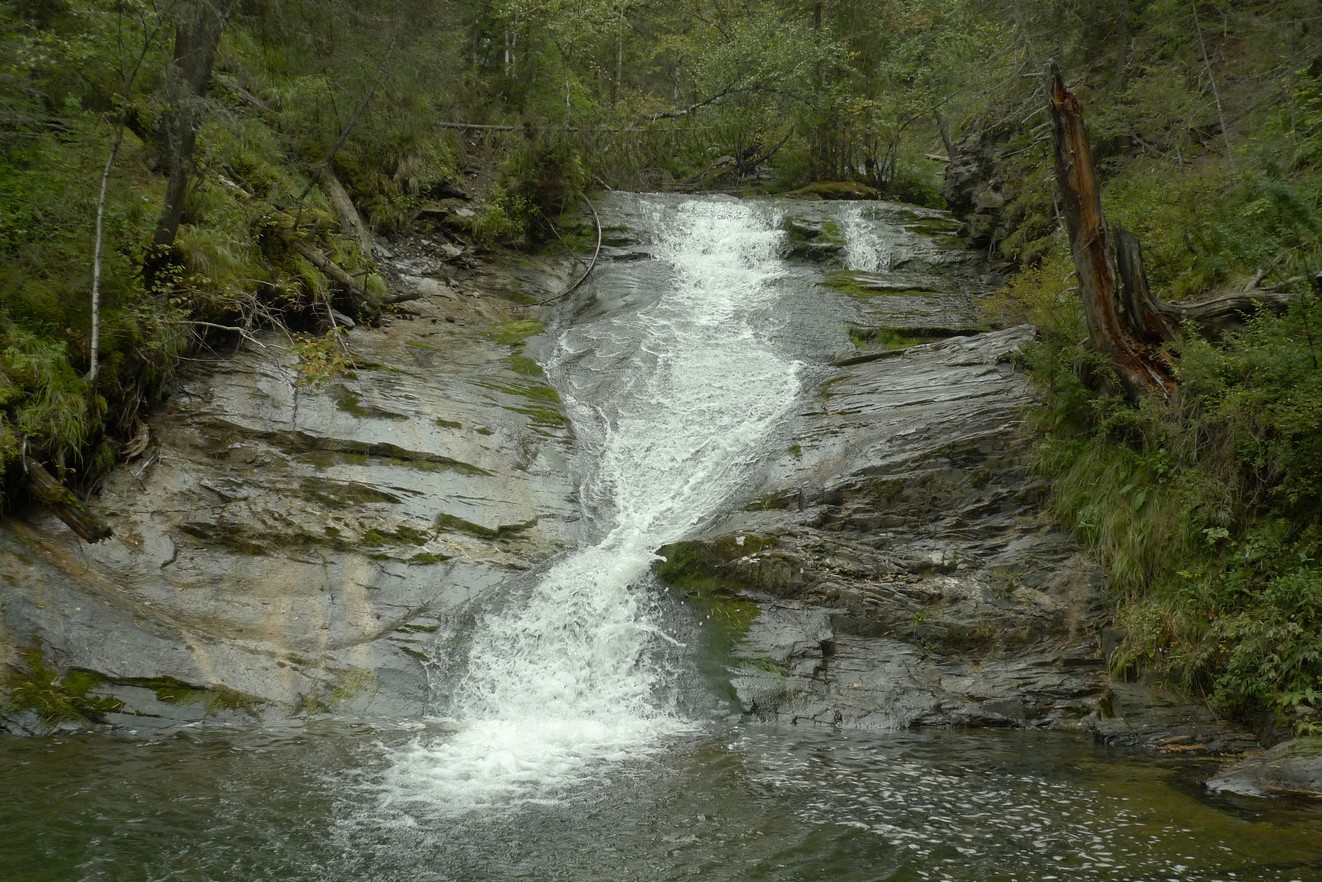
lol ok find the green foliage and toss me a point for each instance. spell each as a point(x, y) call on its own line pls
point(43, 402)
point(1042, 295)
point(1206, 509)
point(1208, 512)
point(321, 358)
point(535, 183)
point(505, 219)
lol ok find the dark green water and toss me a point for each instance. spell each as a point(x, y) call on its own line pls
point(786, 803)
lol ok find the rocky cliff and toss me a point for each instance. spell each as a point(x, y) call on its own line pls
point(286, 547)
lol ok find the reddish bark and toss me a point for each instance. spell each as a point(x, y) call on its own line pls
point(1125, 325)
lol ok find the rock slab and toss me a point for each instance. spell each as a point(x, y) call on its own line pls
point(292, 545)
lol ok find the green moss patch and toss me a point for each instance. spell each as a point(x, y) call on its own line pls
point(772, 502)
point(543, 416)
point(326, 453)
point(401, 535)
point(884, 338)
point(934, 226)
point(349, 684)
point(345, 493)
point(224, 535)
point(698, 570)
point(514, 333)
point(427, 559)
point(863, 286)
point(214, 699)
point(504, 531)
point(537, 392)
point(835, 190)
point(524, 366)
point(350, 402)
point(36, 687)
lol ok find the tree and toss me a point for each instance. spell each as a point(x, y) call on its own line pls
point(198, 26)
point(1127, 326)
point(149, 28)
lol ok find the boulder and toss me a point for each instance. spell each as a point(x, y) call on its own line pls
point(1293, 768)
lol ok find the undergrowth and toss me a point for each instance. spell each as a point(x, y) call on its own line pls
point(1207, 508)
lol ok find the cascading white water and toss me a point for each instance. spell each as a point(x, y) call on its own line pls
point(867, 247)
point(671, 399)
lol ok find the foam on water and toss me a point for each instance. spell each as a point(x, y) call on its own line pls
point(569, 674)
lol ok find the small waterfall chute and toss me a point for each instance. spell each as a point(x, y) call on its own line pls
point(573, 672)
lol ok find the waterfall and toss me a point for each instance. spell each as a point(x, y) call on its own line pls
point(671, 395)
point(869, 245)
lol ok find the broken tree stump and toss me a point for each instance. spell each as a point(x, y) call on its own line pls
point(1127, 325)
point(1129, 336)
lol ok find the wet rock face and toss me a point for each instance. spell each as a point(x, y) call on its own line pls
point(1293, 768)
point(285, 547)
point(973, 188)
point(905, 573)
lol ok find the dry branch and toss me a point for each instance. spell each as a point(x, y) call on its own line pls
point(591, 265)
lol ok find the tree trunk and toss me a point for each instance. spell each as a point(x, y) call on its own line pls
point(945, 133)
point(95, 344)
point(196, 37)
point(67, 506)
point(363, 302)
point(351, 222)
point(1148, 318)
point(1126, 323)
point(1123, 329)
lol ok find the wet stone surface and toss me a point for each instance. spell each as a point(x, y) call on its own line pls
point(290, 548)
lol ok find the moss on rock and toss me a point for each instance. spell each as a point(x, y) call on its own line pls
point(835, 190)
point(36, 687)
point(699, 569)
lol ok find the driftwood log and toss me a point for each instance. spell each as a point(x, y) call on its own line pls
point(64, 502)
point(355, 290)
point(1127, 325)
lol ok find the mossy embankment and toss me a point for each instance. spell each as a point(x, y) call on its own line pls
point(302, 168)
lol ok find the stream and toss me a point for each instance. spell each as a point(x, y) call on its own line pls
point(580, 728)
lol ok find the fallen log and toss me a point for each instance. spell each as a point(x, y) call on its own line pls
point(1216, 315)
point(1157, 321)
point(406, 297)
point(64, 502)
point(351, 222)
point(337, 274)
